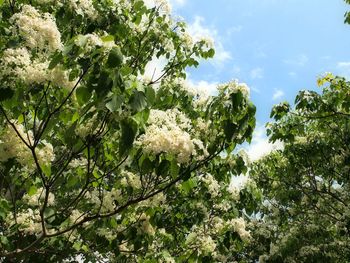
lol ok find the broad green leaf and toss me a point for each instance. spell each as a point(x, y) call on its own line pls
point(115, 58)
point(128, 133)
point(138, 101)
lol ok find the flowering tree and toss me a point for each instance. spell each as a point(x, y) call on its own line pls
point(306, 185)
point(100, 161)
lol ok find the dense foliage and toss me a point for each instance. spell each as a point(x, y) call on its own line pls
point(100, 161)
point(306, 186)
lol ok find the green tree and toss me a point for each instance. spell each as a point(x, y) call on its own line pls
point(305, 215)
point(102, 162)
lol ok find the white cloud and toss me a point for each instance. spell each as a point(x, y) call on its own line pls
point(154, 68)
point(300, 60)
point(277, 94)
point(292, 74)
point(177, 3)
point(234, 29)
point(204, 86)
point(344, 69)
point(260, 145)
point(236, 70)
point(257, 73)
point(255, 89)
point(197, 30)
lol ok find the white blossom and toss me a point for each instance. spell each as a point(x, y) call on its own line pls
point(83, 8)
point(235, 86)
point(38, 30)
point(38, 198)
point(168, 132)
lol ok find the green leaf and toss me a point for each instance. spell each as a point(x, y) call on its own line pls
point(174, 169)
point(72, 180)
point(46, 168)
point(32, 190)
point(138, 101)
point(108, 38)
point(229, 130)
point(115, 58)
point(211, 53)
point(83, 95)
point(56, 59)
point(115, 103)
point(129, 131)
point(150, 94)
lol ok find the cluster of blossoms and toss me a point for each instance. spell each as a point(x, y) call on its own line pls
point(83, 8)
point(163, 5)
point(239, 226)
point(145, 225)
point(168, 132)
point(90, 42)
point(13, 146)
point(233, 87)
point(105, 201)
point(28, 220)
point(201, 241)
point(87, 128)
point(38, 198)
point(40, 34)
point(131, 179)
point(39, 31)
point(211, 183)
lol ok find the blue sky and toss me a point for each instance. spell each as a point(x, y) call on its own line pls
point(276, 46)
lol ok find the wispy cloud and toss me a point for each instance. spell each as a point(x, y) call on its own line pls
point(198, 30)
point(257, 73)
point(277, 94)
point(255, 89)
point(300, 60)
point(260, 145)
point(344, 68)
point(177, 3)
point(204, 86)
point(234, 29)
point(292, 74)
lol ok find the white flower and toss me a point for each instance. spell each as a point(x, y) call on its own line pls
point(212, 184)
point(38, 198)
point(168, 132)
point(29, 221)
point(83, 8)
point(131, 179)
point(238, 225)
point(38, 30)
point(233, 87)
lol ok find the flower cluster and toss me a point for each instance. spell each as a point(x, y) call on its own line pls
point(201, 241)
point(39, 31)
point(28, 221)
point(105, 201)
point(131, 179)
point(40, 34)
point(211, 183)
point(239, 226)
point(38, 198)
point(83, 8)
point(90, 42)
point(168, 132)
point(13, 145)
point(233, 87)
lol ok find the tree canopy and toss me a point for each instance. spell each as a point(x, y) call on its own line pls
point(306, 185)
point(108, 153)
point(100, 161)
